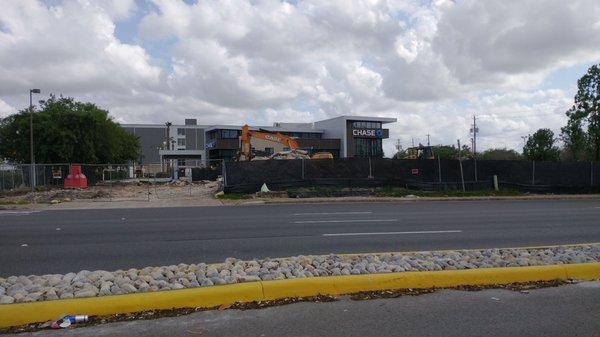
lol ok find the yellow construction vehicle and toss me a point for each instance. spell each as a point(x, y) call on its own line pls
point(287, 141)
point(420, 152)
point(322, 155)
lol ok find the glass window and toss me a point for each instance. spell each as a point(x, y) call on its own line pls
point(367, 147)
point(269, 151)
point(181, 142)
point(230, 134)
point(366, 125)
point(180, 162)
point(180, 131)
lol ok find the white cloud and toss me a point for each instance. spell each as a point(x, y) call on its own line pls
point(431, 64)
point(6, 109)
point(492, 41)
point(68, 48)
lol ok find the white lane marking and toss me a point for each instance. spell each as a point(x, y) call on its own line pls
point(332, 213)
point(24, 245)
point(17, 213)
point(328, 221)
point(392, 233)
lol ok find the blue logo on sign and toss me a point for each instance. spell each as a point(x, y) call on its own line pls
point(379, 133)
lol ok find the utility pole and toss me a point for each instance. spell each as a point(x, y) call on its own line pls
point(474, 130)
point(32, 158)
point(428, 140)
point(398, 148)
point(413, 142)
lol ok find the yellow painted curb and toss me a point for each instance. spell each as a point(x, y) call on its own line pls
point(24, 313)
point(207, 297)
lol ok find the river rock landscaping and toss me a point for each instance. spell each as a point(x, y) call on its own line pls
point(18, 289)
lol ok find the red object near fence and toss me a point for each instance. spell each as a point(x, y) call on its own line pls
point(75, 179)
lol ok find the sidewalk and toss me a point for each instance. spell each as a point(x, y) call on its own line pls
point(569, 310)
point(210, 201)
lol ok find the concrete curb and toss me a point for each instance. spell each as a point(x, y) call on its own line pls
point(208, 297)
point(417, 199)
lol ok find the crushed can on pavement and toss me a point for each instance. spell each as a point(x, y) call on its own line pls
point(65, 321)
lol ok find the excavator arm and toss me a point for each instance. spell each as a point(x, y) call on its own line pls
point(277, 137)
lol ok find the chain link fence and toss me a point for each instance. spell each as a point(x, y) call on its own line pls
point(107, 182)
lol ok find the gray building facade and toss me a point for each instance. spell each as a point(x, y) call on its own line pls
point(191, 144)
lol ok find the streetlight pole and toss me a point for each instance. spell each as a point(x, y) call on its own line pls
point(32, 171)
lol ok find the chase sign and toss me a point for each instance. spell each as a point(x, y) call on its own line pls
point(368, 133)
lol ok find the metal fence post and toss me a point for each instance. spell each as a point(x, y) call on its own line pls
point(302, 168)
point(475, 164)
point(533, 173)
point(462, 176)
point(370, 169)
point(224, 174)
point(439, 170)
point(110, 182)
point(155, 189)
point(3, 179)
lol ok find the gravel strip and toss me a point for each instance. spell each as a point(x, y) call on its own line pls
point(17, 289)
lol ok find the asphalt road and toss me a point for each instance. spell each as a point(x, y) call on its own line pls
point(72, 240)
point(570, 310)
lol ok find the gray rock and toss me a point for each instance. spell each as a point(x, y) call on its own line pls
point(176, 286)
point(6, 299)
point(66, 295)
point(51, 295)
point(105, 290)
point(206, 282)
point(127, 288)
point(85, 293)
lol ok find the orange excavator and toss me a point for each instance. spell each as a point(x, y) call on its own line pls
point(287, 141)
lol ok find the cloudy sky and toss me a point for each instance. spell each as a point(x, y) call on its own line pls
point(430, 64)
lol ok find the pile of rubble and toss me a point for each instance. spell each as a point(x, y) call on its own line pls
point(16, 289)
point(292, 154)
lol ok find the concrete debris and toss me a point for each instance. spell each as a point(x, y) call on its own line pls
point(118, 191)
point(17, 289)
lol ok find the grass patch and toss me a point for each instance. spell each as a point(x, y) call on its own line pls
point(234, 196)
point(389, 191)
point(14, 202)
point(402, 192)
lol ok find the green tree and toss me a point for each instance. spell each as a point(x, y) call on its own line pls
point(500, 154)
point(540, 146)
point(450, 152)
point(67, 131)
point(581, 135)
point(400, 154)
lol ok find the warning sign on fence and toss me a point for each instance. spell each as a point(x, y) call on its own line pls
point(56, 174)
point(414, 172)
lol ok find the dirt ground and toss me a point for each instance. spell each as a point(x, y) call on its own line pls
point(117, 195)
